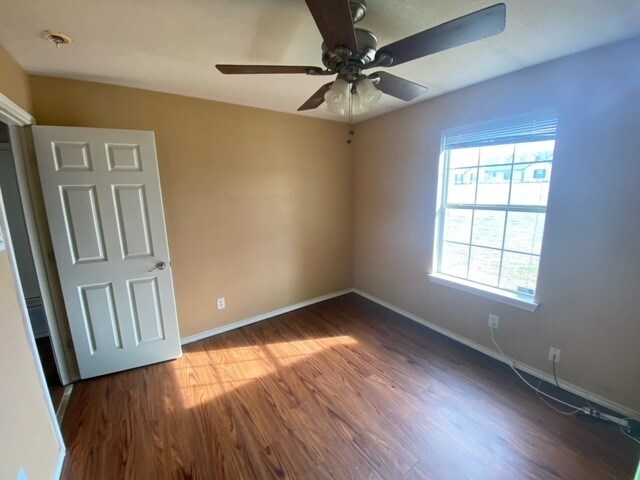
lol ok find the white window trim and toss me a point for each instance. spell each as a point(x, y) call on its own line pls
point(541, 124)
point(523, 302)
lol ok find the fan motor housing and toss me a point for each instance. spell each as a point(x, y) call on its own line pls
point(348, 63)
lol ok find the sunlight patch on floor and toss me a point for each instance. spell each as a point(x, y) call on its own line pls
point(204, 376)
point(289, 353)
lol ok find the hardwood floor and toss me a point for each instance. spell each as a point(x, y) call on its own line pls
point(343, 389)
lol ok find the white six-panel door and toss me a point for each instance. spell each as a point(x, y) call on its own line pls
point(103, 201)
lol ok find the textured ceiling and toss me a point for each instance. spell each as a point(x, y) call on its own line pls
point(172, 46)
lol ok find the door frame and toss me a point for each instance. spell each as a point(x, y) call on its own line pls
point(26, 323)
point(16, 118)
point(19, 122)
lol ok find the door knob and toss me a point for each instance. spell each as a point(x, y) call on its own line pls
point(159, 266)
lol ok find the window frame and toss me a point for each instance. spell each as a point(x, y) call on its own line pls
point(517, 299)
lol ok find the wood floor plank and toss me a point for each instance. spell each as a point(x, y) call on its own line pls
point(344, 389)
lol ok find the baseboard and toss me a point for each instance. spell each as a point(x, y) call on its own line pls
point(616, 407)
point(59, 463)
point(259, 318)
point(64, 402)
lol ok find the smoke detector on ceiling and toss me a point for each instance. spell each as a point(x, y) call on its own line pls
point(58, 38)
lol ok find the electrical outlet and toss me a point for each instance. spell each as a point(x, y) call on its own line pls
point(554, 354)
point(494, 321)
point(221, 303)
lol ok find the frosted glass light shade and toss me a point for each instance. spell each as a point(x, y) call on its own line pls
point(337, 97)
point(357, 104)
point(368, 94)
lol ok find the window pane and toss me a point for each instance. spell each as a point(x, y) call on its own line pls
point(484, 266)
point(463, 157)
point(534, 151)
point(496, 154)
point(462, 185)
point(493, 185)
point(519, 272)
point(457, 225)
point(488, 228)
point(531, 186)
point(524, 232)
point(455, 258)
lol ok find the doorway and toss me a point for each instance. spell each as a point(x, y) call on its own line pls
point(27, 270)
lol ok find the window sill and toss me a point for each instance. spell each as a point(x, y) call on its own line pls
point(519, 301)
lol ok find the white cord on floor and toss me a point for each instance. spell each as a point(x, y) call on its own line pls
point(537, 390)
point(630, 436)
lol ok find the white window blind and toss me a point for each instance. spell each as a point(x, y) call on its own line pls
point(540, 124)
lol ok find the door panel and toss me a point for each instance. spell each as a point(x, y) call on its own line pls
point(123, 157)
point(99, 315)
point(104, 206)
point(72, 156)
point(133, 221)
point(147, 314)
point(82, 219)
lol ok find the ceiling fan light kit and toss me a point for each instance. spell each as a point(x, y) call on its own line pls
point(343, 98)
point(337, 97)
point(368, 94)
point(348, 51)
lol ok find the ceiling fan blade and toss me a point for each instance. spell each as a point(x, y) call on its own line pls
point(253, 69)
point(398, 87)
point(316, 99)
point(333, 18)
point(475, 26)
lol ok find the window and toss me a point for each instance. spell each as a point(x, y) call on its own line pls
point(539, 173)
point(489, 229)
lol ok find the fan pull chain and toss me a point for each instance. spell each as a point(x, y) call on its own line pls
point(351, 130)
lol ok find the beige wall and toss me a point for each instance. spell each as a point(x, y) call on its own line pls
point(26, 434)
point(14, 82)
point(257, 203)
point(589, 283)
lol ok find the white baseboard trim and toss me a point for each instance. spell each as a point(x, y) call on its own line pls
point(616, 407)
point(64, 402)
point(259, 318)
point(59, 463)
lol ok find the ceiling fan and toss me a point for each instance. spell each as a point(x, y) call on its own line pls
point(347, 52)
